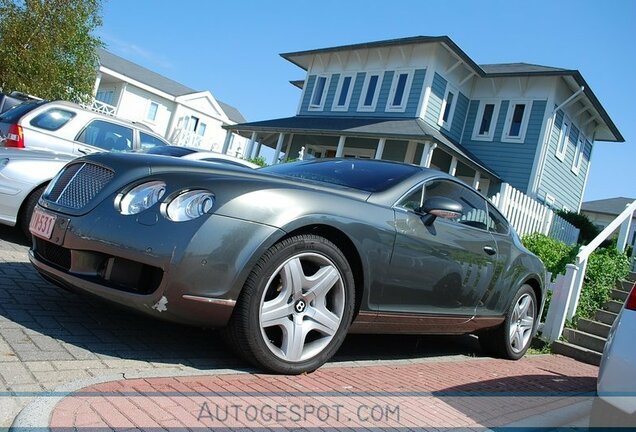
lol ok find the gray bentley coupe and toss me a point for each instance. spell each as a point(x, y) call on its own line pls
point(289, 258)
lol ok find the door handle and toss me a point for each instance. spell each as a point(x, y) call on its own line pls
point(490, 250)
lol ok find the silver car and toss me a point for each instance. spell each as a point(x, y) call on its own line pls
point(615, 405)
point(24, 174)
point(66, 127)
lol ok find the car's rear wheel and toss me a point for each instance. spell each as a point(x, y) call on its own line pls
point(27, 210)
point(296, 306)
point(512, 339)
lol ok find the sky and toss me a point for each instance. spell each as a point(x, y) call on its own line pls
point(232, 49)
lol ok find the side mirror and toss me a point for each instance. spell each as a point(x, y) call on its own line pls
point(440, 207)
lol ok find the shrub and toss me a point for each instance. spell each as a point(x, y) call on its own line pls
point(258, 160)
point(554, 253)
point(588, 230)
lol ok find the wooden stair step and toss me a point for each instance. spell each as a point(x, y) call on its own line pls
point(593, 327)
point(576, 352)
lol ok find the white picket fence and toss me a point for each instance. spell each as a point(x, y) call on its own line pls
point(528, 216)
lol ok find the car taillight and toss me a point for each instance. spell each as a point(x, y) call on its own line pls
point(631, 299)
point(15, 137)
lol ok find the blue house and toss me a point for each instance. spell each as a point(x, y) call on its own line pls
point(423, 100)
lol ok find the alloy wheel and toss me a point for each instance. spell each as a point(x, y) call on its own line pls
point(522, 323)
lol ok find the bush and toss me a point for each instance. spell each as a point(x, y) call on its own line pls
point(588, 230)
point(554, 253)
point(605, 267)
point(258, 160)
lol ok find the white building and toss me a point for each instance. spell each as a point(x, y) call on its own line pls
point(602, 212)
point(182, 115)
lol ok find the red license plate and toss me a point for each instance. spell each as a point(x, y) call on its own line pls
point(42, 224)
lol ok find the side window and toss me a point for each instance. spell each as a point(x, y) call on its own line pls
point(149, 141)
point(413, 200)
point(52, 119)
point(496, 222)
point(474, 206)
point(107, 136)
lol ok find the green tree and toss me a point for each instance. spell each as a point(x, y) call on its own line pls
point(588, 230)
point(47, 47)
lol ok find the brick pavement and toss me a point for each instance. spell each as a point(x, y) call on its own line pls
point(471, 393)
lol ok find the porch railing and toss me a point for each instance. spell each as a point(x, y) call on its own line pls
point(188, 138)
point(101, 107)
point(528, 216)
point(566, 290)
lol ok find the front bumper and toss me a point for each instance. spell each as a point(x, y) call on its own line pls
point(189, 272)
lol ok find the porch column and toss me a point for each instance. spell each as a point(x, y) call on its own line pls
point(279, 147)
point(289, 144)
point(98, 80)
point(227, 142)
point(380, 149)
point(257, 151)
point(250, 146)
point(476, 179)
point(427, 154)
point(341, 143)
point(453, 166)
point(121, 94)
point(624, 233)
point(411, 148)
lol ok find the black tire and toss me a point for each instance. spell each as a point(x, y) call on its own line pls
point(253, 341)
point(497, 341)
point(27, 210)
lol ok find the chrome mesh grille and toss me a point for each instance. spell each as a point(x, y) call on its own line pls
point(79, 184)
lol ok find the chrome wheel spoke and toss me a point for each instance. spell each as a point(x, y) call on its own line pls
point(293, 339)
point(324, 321)
point(321, 283)
point(524, 303)
point(293, 277)
point(527, 323)
point(275, 312)
point(521, 323)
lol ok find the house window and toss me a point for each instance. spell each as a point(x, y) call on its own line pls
point(562, 144)
point(318, 96)
point(201, 129)
point(486, 121)
point(578, 154)
point(370, 93)
point(517, 121)
point(343, 93)
point(398, 95)
point(105, 96)
point(152, 111)
point(448, 108)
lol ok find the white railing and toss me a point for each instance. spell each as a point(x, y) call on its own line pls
point(101, 107)
point(528, 216)
point(182, 137)
point(567, 287)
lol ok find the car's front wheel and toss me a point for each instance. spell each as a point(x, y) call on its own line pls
point(296, 306)
point(512, 339)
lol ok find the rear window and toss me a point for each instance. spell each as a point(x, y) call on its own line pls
point(15, 113)
point(366, 175)
point(52, 119)
point(149, 141)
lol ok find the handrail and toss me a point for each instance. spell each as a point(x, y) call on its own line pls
point(585, 252)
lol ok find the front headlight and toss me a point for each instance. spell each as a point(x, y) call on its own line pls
point(140, 197)
point(189, 205)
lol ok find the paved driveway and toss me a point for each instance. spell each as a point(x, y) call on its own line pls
point(49, 337)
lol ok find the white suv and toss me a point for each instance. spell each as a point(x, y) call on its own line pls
point(66, 127)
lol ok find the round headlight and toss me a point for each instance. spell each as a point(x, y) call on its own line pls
point(189, 205)
point(140, 197)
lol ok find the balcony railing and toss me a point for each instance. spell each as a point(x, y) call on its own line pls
point(101, 107)
point(186, 138)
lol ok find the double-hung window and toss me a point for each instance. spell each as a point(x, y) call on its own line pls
point(517, 121)
point(399, 94)
point(564, 139)
point(448, 107)
point(486, 121)
point(578, 154)
point(151, 115)
point(343, 93)
point(370, 92)
point(319, 93)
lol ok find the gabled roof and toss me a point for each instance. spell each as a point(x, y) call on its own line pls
point(303, 60)
point(364, 127)
point(609, 206)
point(157, 81)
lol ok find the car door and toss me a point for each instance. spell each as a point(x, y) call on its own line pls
point(103, 135)
point(443, 268)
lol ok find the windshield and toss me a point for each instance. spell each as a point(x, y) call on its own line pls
point(15, 113)
point(363, 174)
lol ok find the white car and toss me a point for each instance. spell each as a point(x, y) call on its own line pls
point(615, 405)
point(197, 154)
point(24, 174)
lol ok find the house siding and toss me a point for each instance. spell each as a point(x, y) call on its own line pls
point(557, 178)
point(512, 161)
point(413, 97)
point(459, 118)
point(435, 100)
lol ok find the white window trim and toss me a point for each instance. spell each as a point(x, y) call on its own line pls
point(564, 139)
point(579, 150)
point(524, 121)
point(478, 119)
point(147, 118)
point(365, 87)
point(323, 98)
point(449, 122)
point(345, 107)
point(407, 90)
